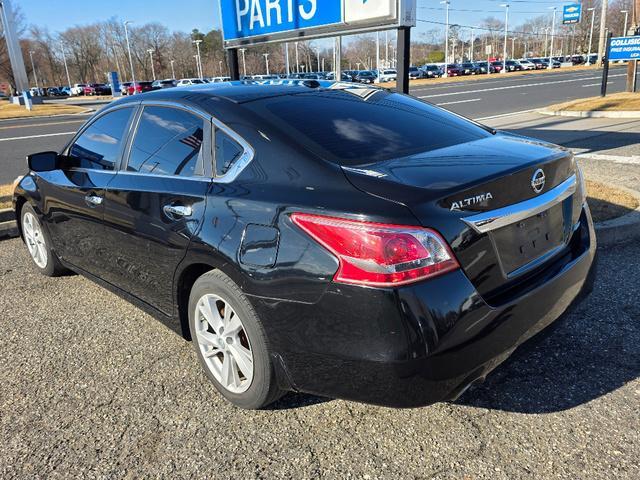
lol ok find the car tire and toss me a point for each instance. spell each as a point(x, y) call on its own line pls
point(39, 244)
point(215, 291)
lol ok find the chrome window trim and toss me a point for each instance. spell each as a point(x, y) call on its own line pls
point(244, 160)
point(237, 168)
point(488, 221)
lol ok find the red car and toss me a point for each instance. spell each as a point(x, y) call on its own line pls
point(454, 70)
point(139, 87)
point(497, 66)
point(97, 89)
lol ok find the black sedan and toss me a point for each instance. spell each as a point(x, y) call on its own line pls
point(365, 76)
point(344, 241)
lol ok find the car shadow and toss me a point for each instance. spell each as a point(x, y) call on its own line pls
point(294, 400)
point(586, 140)
point(587, 354)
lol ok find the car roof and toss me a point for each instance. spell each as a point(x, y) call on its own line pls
point(239, 91)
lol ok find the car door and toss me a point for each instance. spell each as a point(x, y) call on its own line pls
point(73, 196)
point(156, 203)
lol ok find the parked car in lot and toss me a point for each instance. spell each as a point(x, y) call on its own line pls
point(482, 67)
point(454, 70)
point(393, 267)
point(388, 75)
point(538, 63)
point(365, 76)
point(513, 66)
point(190, 81)
point(124, 88)
point(345, 77)
point(78, 89)
point(527, 64)
point(432, 71)
point(468, 68)
point(166, 83)
point(56, 92)
point(497, 66)
point(415, 73)
point(220, 79)
point(97, 89)
point(139, 87)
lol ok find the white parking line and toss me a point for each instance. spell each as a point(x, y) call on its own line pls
point(36, 136)
point(509, 87)
point(596, 84)
point(480, 119)
point(459, 101)
point(631, 160)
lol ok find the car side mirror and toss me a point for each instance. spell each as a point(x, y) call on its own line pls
point(43, 161)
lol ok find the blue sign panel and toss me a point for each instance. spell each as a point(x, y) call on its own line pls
point(571, 13)
point(243, 19)
point(624, 48)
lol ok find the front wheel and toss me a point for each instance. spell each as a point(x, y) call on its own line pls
point(230, 342)
point(38, 244)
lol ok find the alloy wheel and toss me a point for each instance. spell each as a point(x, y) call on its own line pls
point(223, 343)
point(34, 239)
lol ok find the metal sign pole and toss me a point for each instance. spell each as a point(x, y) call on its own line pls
point(338, 67)
point(404, 47)
point(605, 69)
point(232, 61)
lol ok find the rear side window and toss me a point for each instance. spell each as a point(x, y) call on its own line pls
point(168, 141)
point(98, 147)
point(358, 126)
point(227, 152)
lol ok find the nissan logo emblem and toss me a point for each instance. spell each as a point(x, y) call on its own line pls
point(538, 180)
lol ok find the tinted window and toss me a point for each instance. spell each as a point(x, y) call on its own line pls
point(99, 145)
point(354, 127)
point(228, 151)
point(168, 141)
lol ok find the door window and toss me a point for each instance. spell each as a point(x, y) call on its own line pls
point(98, 147)
point(168, 141)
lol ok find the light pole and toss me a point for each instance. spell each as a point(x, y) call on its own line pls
point(593, 17)
point(553, 33)
point(33, 67)
point(133, 74)
point(318, 55)
point(446, 37)
point(198, 42)
point(153, 69)
point(173, 72)
point(378, 55)
point(471, 46)
point(244, 63)
point(66, 68)
point(386, 49)
point(626, 17)
point(513, 47)
point(603, 32)
point(266, 61)
point(287, 68)
point(297, 59)
point(506, 29)
point(197, 66)
point(546, 40)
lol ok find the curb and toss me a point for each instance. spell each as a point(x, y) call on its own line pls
point(621, 229)
point(591, 114)
point(86, 111)
point(8, 226)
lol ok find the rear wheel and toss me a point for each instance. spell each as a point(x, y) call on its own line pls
point(230, 342)
point(38, 244)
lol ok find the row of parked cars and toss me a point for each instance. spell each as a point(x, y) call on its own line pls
point(432, 70)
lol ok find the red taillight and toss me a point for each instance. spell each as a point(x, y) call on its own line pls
point(376, 254)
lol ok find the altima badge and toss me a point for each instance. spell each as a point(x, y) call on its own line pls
point(538, 180)
point(468, 202)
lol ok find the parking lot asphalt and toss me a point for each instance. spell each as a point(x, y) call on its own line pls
point(94, 388)
point(499, 94)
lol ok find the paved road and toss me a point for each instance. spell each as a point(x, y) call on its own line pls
point(478, 99)
point(20, 137)
point(500, 94)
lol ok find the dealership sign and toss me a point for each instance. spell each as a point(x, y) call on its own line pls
point(571, 13)
point(624, 48)
point(246, 22)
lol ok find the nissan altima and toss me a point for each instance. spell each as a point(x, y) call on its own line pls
point(329, 238)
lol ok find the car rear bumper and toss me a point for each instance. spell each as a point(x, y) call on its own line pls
point(415, 345)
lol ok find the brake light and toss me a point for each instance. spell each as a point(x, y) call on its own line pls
point(376, 254)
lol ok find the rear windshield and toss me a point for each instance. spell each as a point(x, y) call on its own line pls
point(364, 127)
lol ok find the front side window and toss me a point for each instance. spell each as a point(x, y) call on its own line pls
point(98, 147)
point(228, 152)
point(168, 141)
